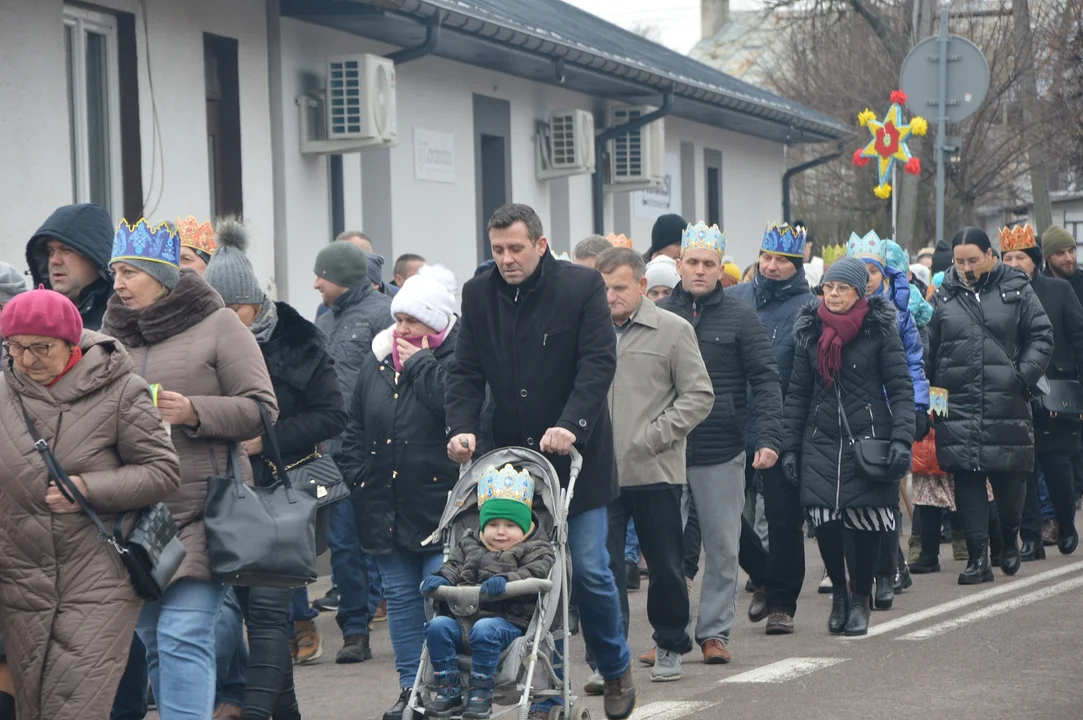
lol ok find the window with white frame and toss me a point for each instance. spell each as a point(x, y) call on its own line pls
point(90, 44)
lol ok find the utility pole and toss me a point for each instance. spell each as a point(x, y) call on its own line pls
point(906, 218)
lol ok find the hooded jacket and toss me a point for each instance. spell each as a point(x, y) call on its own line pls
point(876, 395)
point(87, 229)
point(987, 347)
point(898, 292)
point(67, 607)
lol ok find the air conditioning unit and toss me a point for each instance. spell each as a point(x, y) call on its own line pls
point(565, 145)
point(636, 158)
point(358, 103)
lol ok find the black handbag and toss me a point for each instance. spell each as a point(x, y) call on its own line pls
point(871, 455)
point(320, 472)
point(263, 536)
point(152, 552)
point(1063, 401)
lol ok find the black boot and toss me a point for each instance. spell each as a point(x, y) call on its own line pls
point(903, 581)
point(479, 703)
point(840, 609)
point(1068, 540)
point(449, 696)
point(925, 564)
point(396, 711)
point(978, 569)
point(1009, 550)
point(857, 623)
point(1032, 550)
point(885, 592)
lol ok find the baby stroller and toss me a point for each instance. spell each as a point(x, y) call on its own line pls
point(527, 672)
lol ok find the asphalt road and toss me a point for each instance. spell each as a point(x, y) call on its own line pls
point(1008, 650)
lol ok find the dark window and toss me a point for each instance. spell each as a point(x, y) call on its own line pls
point(223, 96)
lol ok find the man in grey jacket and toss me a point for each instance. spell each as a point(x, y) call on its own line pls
point(661, 391)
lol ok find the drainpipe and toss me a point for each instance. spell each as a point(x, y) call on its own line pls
point(598, 179)
point(432, 35)
point(797, 170)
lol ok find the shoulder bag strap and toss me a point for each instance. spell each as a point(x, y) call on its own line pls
point(270, 446)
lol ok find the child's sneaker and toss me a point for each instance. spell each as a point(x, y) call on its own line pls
point(479, 704)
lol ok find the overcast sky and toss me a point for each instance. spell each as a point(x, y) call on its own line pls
point(676, 20)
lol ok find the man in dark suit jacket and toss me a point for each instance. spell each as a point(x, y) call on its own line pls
point(538, 331)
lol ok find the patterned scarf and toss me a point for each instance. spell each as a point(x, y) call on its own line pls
point(838, 330)
point(263, 327)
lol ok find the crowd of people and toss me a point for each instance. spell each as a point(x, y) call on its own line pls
point(718, 413)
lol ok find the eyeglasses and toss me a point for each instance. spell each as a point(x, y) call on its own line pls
point(38, 350)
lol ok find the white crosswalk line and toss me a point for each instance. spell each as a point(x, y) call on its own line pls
point(783, 670)
point(669, 710)
point(976, 598)
point(994, 610)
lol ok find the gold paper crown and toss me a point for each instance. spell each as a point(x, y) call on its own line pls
point(195, 235)
point(619, 241)
point(831, 253)
point(507, 483)
point(1020, 237)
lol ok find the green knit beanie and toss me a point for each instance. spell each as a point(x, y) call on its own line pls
point(343, 263)
point(504, 509)
point(506, 494)
point(1055, 239)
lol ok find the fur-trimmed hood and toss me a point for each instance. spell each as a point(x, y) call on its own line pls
point(881, 319)
point(293, 353)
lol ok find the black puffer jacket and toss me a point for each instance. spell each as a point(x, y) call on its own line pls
point(311, 409)
point(989, 426)
point(1066, 315)
point(471, 563)
point(737, 354)
point(394, 450)
point(878, 397)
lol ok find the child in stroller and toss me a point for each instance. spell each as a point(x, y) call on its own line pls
point(508, 546)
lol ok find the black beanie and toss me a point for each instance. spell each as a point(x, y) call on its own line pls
point(668, 230)
point(1035, 253)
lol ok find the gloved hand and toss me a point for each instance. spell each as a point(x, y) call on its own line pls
point(432, 582)
point(921, 418)
point(494, 586)
point(789, 468)
point(898, 458)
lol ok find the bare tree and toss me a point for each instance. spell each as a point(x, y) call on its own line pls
point(648, 31)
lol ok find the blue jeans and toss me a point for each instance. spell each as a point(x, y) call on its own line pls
point(131, 699)
point(376, 583)
point(178, 631)
point(402, 573)
point(631, 544)
point(349, 572)
point(488, 638)
point(231, 652)
point(1044, 499)
point(300, 609)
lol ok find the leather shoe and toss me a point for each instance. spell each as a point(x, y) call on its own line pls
point(857, 623)
point(885, 593)
point(1067, 542)
point(715, 653)
point(620, 696)
point(779, 623)
point(649, 657)
point(757, 609)
point(840, 610)
point(1032, 550)
point(1009, 551)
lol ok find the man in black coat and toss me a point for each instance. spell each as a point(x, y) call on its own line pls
point(737, 353)
point(70, 254)
point(1055, 440)
point(539, 332)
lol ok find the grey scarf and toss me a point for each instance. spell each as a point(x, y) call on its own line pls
point(264, 324)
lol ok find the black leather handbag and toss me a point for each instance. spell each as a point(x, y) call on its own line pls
point(871, 455)
point(262, 536)
point(1063, 401)
point(321, 473)
point(152, 552)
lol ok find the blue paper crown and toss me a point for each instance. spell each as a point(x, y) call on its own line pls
point(507, 483)
point(784, 240)
point(870, 247)
point(159, 243)
point(701, 237)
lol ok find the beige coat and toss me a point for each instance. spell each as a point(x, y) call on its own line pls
point(660, 393)
point(189, 343)
point(67, 608)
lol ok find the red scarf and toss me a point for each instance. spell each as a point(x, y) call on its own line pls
point(76, 356)
point(838, 330)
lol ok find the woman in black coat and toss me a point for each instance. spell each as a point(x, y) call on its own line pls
point(849, 365)
point(394, 455)
point(989, 344)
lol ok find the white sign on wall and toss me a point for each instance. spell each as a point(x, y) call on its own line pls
point(666, 198)
point(434, 156)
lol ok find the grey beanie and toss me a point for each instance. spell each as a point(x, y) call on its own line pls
point(11, 283)
point(342, 263)
point(851, 271)
point(230, 271)
point(168, 275)
point(376, 267)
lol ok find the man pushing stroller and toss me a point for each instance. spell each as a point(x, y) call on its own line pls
point(508, 546)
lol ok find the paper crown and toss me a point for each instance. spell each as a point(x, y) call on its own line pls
point(784, 240)
point(619, 240)
point(831, 253)
point(701, 237)
point(938, 401)
point(869, 247)
point(507, 483)
point(1020, 237)
point(195, 235)
point(159, 243)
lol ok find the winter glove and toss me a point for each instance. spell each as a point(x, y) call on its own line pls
point(921, 418)
point(789, 468)
point(898, 459)
point(432, 582)
point(495, 585)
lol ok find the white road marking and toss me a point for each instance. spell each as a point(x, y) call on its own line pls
point(978, 597)
point(783, 670)
point(994, 610)
point(669, 710)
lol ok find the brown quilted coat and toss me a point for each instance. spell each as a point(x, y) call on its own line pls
point(67, 608)
point(189, 343)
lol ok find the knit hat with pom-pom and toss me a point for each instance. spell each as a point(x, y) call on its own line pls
point(230, 271)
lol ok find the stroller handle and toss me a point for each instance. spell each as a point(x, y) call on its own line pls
point(471, 593)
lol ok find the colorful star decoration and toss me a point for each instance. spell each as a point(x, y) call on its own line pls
point(889, 142)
